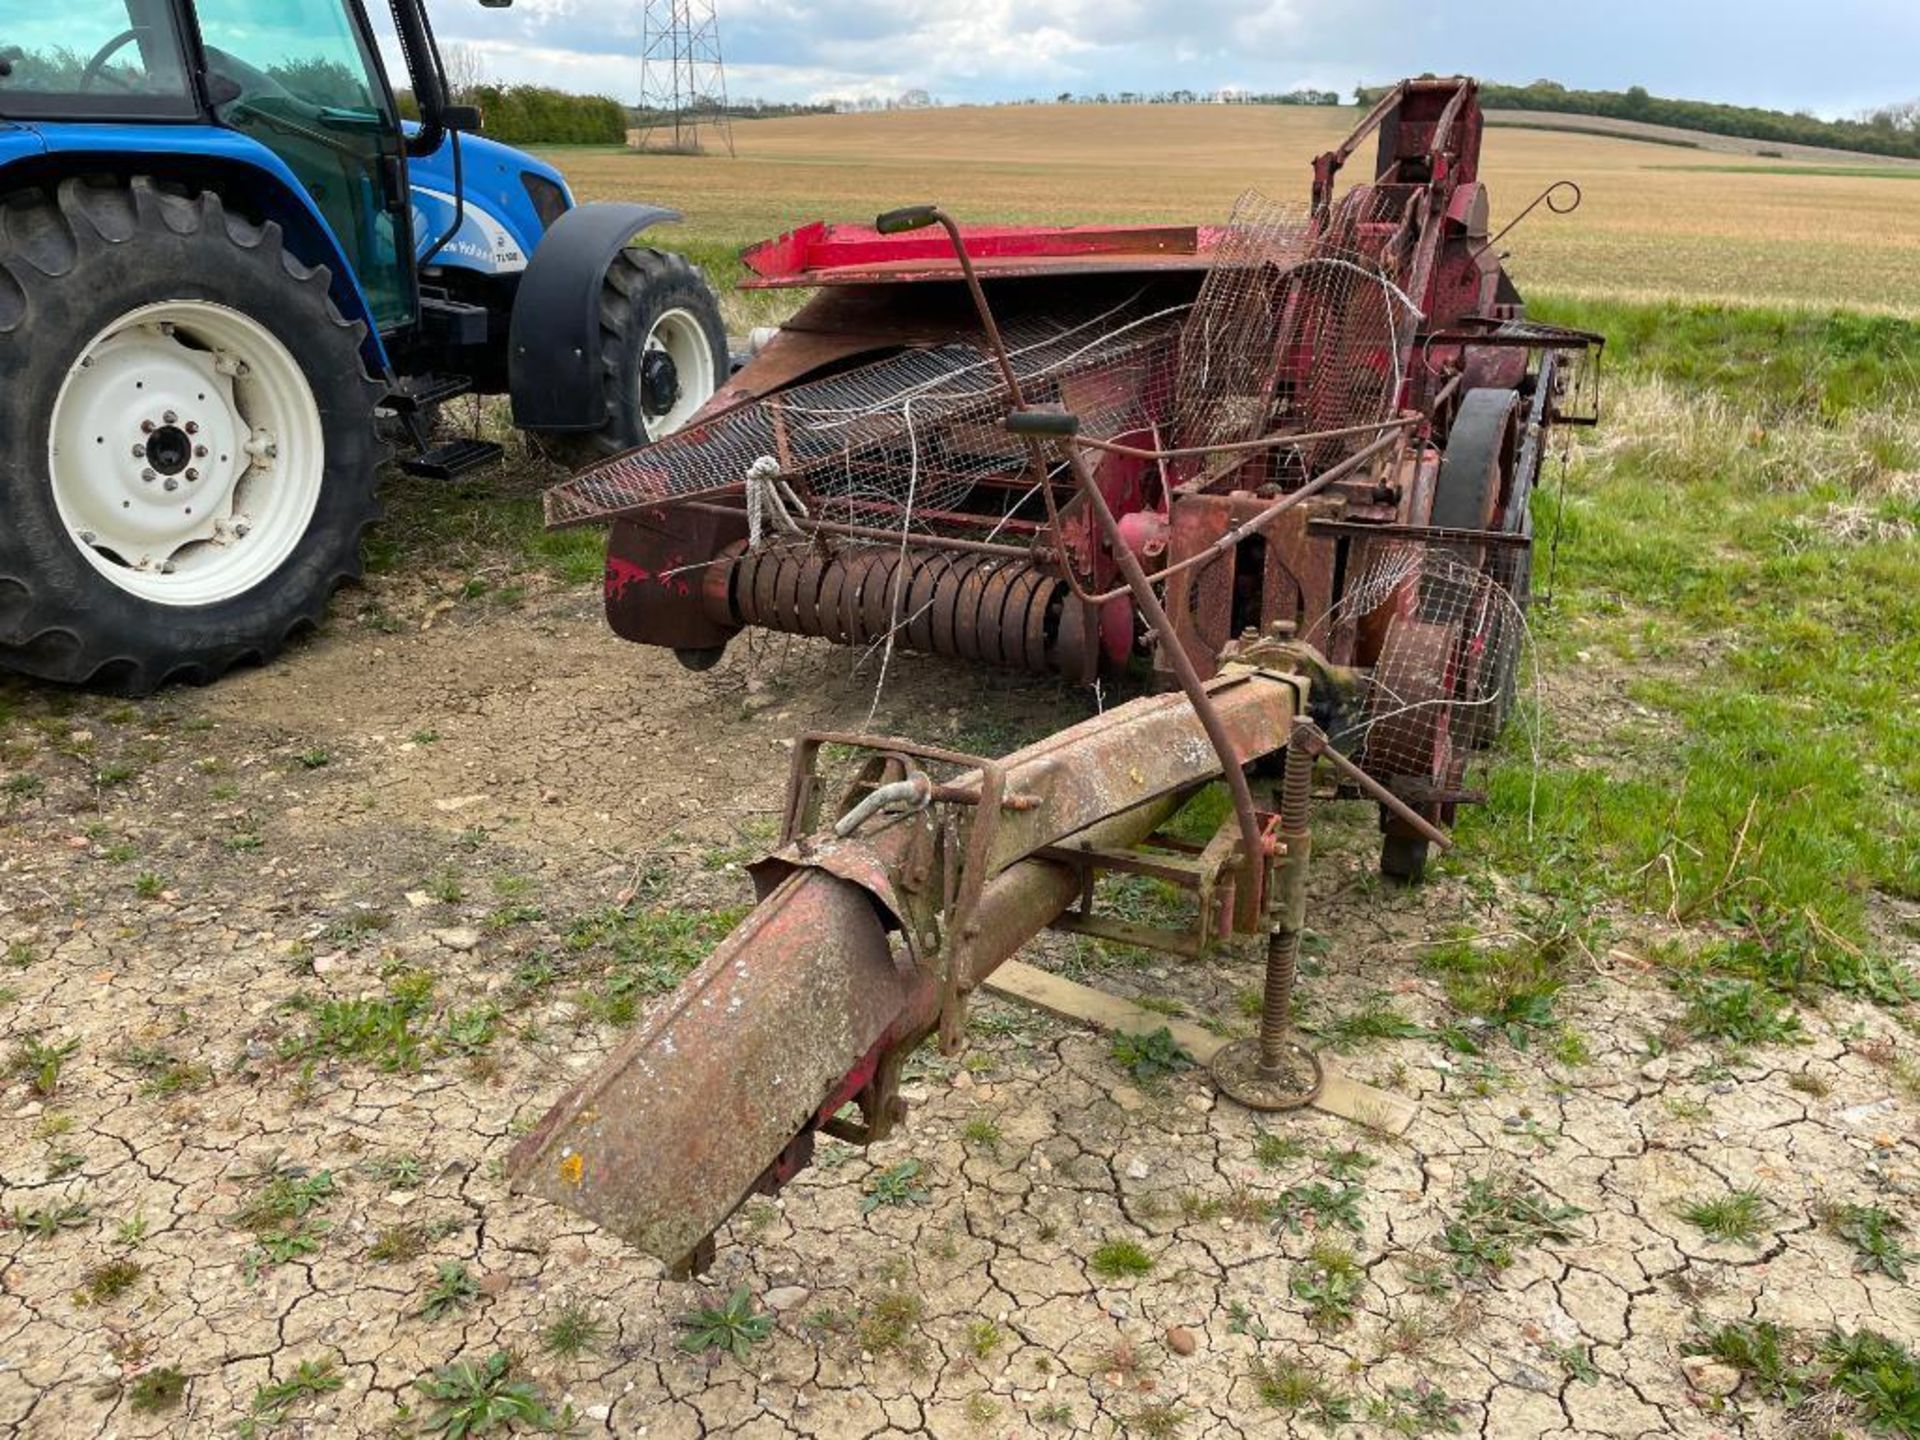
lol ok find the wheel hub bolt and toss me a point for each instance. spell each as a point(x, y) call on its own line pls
point(170, 418)
point(147, 427)
point(193, 427)
point(199, 452)
point(240, 529)
point(139, 451)
point(192, 474)
point(147, 474)
point(170, 484)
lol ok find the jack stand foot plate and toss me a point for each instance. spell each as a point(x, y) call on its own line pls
point(1294, 1083)
point(1339, 1094)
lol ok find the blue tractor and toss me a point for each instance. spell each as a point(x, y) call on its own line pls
point(228, 269)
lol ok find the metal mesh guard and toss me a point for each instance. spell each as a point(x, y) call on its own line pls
point(1449, 664)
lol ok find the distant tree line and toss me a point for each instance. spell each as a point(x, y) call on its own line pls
point(734, 110)
point(538, 115)
point(1195, 97)
point(1892, 130)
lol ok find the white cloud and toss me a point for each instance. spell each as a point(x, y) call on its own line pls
point(1777, 52)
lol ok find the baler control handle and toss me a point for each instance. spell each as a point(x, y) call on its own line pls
point(907, 217)
point(1047, 422)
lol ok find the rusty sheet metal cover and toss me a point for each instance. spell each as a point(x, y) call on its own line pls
point(840, 254)
point(1135, 753)
point(665, 1139)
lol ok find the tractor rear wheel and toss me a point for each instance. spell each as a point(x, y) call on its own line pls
point(663, 352)
point(190, 452)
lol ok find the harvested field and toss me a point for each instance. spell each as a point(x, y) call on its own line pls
point(1745, 234)
point(286, 965)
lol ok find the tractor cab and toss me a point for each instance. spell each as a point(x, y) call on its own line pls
point(301, 77)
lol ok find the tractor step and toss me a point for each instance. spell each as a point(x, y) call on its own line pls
point(455, 458)
point(417, 392)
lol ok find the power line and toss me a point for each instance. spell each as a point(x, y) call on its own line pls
point(683, 81)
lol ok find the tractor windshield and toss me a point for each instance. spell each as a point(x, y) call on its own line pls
point(93, 59)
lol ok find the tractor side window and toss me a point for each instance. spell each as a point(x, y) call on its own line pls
point(92, 58)
point(302, 80)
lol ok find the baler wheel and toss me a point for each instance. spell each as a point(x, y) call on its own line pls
point(1478, 489)
point(1476, 470)
point(190, 450)
point(1409, 732)
point(1403, 858)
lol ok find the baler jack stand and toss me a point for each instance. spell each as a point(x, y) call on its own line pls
point(1275, 1070)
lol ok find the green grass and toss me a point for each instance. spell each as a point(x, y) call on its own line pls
point(1376, 1018)
point(1859, 172)
point(1874, 1376)
point(1329, 1283)
point(1499, 1216)
point(157, 1391)
point(1150, 1058)
point(1785, 362)
point(273, 1400)
point(1288, 1386)
point(733, 1327)
point(1737, 561)
point(1320, 1204)
point(982, 1132)
point(573, 1332)
point(452, 1289)
point(1120, 1260)
point(1875, 1235)
point(1272, 1151)
point(899, 1184)
point(476, 1399)
point(1736, 1218)
point(108, 1281)
point(645, 951)
point(466, 525)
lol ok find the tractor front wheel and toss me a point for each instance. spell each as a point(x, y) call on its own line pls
point(663, 352)
point(190, 451)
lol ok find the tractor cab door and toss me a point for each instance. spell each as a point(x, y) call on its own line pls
point(301, 77)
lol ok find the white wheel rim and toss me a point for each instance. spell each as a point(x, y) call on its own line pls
point(680, 335)
point(186, 453)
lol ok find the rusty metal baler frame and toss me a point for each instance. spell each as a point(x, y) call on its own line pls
point(1269, 530)
point(887, 906)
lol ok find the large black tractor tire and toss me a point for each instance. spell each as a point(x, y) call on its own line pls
point(76, 265)
point(652, 303)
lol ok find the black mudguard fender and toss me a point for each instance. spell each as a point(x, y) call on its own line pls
point(553, 355)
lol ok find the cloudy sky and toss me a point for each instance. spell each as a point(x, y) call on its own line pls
point(1835, 57)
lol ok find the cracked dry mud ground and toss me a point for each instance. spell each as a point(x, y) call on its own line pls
point(185, 867)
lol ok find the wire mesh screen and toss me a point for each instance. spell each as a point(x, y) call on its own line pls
point(1288, 331)
point(1225, 387)
point(1449, 665)
point(914, 432)
point(1291, 330)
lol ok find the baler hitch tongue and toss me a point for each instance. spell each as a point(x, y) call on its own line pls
point(878, 920)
